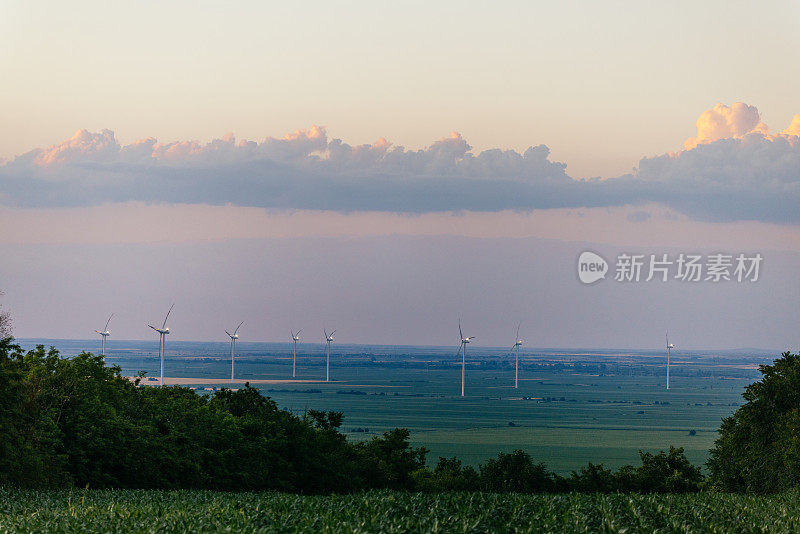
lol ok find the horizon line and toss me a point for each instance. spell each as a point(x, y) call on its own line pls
point(422, 346)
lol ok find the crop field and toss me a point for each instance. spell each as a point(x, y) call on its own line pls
point(572, 407)
point(385, 511)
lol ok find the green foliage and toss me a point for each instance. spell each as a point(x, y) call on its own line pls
point(326, 420)
point(594, 478)
point(388, 461)
point(77, 421)
point(758, 448)
point(387, 511)
point(448, 475)
point(665, 472)
point(515, 472)
point(5, 322)
point(31, 452)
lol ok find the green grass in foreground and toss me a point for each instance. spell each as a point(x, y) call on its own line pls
point(385, 511)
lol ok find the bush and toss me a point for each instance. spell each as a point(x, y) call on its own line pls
point(77, 421)
point(758, 448)
point(448, 475)
point(515, 472)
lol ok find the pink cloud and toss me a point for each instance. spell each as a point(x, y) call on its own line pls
point(734, 169)
point(735, 122)
point(726, 122)
point(82, 143)
point(794, 127)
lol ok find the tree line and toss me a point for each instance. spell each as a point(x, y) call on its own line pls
point(78, 422)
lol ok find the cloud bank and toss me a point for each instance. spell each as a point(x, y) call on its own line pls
point(733, 169)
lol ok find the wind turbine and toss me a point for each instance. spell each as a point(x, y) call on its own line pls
point(328, 340)
point(105, 333)
point(463, 350)
point(670, 346)
point(233, 337)
point(295, 339)
point(163, 331)
point(517, 345)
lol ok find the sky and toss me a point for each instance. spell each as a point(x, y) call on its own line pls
point(385, 169)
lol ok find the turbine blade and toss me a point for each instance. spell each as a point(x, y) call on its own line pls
point(460, 334)
point(167, 317)
point(298, 332)
point(107, 322)
point(98, 331)
point(326, 334)
point(333, 333)
point(227, 332)
point(153, 327)
point(238, 327)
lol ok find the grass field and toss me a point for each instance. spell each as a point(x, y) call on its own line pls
point(203, 511)
point(568, 420)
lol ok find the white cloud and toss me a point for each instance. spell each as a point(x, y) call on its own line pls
point(83, 144)
point(734, 170)
point(726, 122)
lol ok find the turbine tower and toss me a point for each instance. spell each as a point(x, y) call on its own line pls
point(670, 346)
point(233, 337)
point(295, 339)
point(463, 350)
point(328, 340)
point(105, 333)
point(517, 345)
point(163, 331)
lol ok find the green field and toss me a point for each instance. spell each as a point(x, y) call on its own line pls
point(384, 511)
point(569, 418)
point(572, 407)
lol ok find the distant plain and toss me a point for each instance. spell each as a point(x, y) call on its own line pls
point(572, 406)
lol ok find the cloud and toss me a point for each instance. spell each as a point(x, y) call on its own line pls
point(726, 122)
point(794, 127)
point(753, 178)
point(83, 144)
point(734, 170)
point(304, 169)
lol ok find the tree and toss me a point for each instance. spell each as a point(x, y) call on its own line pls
point(758, 448)
point(78, 421)
point(668, 472)
point(388, 461)
point(448, 475)
point(594, 478)
point(5, 322)
point(515, 472)
point(30, 439)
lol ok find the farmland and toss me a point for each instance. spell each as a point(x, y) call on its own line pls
point(572, 407)
point(385, 511)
